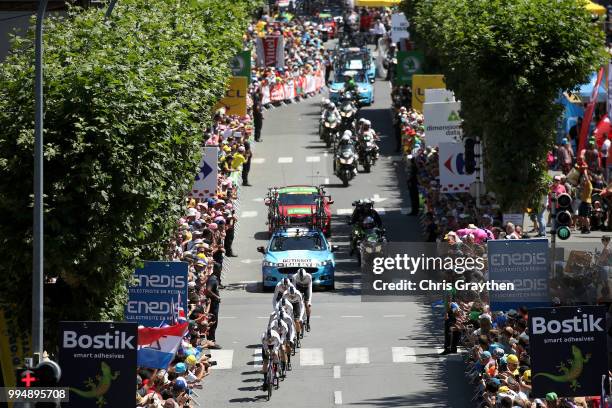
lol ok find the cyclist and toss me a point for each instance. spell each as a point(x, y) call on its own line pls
point(303, 282)
point(280, 289)
point(279, 325)
point(270, 345)
point(295, 299)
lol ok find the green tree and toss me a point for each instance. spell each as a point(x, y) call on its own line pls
point(126, 103)
point(507, 61)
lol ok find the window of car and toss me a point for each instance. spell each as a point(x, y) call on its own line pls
point(298, 243)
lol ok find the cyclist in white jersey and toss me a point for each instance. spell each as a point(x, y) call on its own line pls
point(303, 282)
point(270, 347)
point(280, 289)
point(294, 297)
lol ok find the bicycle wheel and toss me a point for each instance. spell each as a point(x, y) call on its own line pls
point(270, 383)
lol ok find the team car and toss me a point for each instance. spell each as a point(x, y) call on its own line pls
point(365, 90)
point(357, 59)
point(299, 205)
point(329, 23)
point(293, 248)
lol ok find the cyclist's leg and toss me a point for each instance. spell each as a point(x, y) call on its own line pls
point(264, 369)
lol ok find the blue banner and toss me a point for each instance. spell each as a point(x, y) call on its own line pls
point(524, 263)
point(154, 298)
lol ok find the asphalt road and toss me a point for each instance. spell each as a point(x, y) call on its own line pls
point(357, 354)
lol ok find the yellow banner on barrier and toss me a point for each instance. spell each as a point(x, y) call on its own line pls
point(422, 82)
point(235, 99)
point(14, 347)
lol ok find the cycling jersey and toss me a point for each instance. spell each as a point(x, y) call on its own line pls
point(280, 327)
point(279, 291)
point(304, 285)
point(273, 340)
point(298, 305)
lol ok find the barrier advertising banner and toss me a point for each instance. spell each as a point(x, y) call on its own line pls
point(568, 350)
point(98, 361)
point(154, 298)
point(422, 82)
point(409, 63)
point(205, 184)
point(235, 99)
point(523, 262)
point(442, 123)
point(453, 178)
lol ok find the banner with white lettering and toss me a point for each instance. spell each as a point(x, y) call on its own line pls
point(98, 361)
point(153, 299)
point(568, 350)
point(525, 264)
point(270, 51)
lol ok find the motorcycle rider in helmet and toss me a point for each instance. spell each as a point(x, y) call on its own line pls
point(363, 210)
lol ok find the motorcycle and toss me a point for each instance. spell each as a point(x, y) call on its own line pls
point(329, 129)
point(361, 240)
point(345, 163)
point(367, 151)
point(348, 111)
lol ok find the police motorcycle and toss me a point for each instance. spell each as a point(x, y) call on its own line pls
point(367, 150)
point(330, 127)
point(348, 111)
point(345, 159)
point(365, 238)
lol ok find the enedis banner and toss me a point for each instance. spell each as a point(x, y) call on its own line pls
point(568, 350)
point(159, 285)
point(98, 361)
point(235, 99)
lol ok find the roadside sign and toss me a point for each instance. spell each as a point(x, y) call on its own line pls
point(154, 298)
point(422, 82)
point(442, 123)
point(205, 184)
point(235, 99)
point(408, 64)
point(241, 65)
point(568, 350)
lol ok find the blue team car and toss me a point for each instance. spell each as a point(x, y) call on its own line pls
point(365, 90)
point(296, 247)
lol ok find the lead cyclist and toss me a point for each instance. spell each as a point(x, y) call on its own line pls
point(303, 282)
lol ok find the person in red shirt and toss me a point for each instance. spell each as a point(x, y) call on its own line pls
point(365, 21)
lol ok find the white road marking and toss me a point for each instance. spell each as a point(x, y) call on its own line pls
point(403, 355)
point(227, 317)
point(285, 159)
point(258, 160)
point(258, 199)
point(257, 360)
point(357, 355)
point(223, 358)
point(311, 356)
point(344, 211)
point(336, 371)
point(377, 198)
point(263, 317)
point(338, 261)
point(404, 211)
point(249, 261)
point(398, 315)
point(338, 397)
point(315, 317)
point(351, 317)
point(326, 181)
point(313, 159)
point(325, 154)
point(249, 214)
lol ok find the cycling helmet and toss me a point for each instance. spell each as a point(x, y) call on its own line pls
point(345, 139)
point(347, 133)
point(285, 282)
point(368, 223)
point(325, 101)
point(301, 272)
point(361, 120)
point(269, 333)
point(291, 290)
point(367, 122)
point(281, 314)
point(332, 105)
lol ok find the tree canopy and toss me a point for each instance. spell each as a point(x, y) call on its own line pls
point(126, 103)
point(507, 62)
